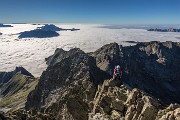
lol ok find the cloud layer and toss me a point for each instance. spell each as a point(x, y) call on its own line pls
point(31, 53)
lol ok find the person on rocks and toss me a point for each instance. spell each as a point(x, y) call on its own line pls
point(117, 73)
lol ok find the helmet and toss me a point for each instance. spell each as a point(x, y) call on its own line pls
point(118, 67)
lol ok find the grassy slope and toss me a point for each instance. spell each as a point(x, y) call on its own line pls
point(15, 92)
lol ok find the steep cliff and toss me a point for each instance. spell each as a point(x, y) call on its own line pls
point(77, 85)
point(68, 83)
point(152, 67)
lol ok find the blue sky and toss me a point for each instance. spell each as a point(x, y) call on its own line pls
point(90, 11)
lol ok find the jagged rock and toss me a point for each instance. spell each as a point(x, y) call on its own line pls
point(172, 112)
point(76, 85)
point(132, 97)
point(117, 105)
point(107, 57)
point(135, 106)
point(106, 104)
point(152, 67)
point(130, 112)
point(70, 80)
point(148, 112)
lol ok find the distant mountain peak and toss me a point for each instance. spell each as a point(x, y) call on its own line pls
point(6, 76)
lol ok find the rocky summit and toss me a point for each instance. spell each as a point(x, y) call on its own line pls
point(152, 67)
point(78, 85)
point(14, 89)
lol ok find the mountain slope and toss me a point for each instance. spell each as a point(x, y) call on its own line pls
point(110, 102)
point(152, 67)
point(77, 85)
point(13, 94)
point(6, 76)
point(74, 68)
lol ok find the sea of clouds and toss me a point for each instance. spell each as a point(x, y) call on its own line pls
point(30, 53)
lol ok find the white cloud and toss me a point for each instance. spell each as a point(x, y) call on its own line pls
point(31, 53)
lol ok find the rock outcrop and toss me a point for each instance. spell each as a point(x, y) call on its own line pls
point(118, 102)
point(110, 102)
point(172, 112)
point(77, 85)
point(6, 76)
point(67, 86)
point(152, 67)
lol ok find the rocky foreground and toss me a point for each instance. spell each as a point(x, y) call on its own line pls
point(78, 86)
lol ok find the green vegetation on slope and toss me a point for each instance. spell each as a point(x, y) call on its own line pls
point(15, 92)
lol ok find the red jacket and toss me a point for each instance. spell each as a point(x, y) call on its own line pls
point(119, 72)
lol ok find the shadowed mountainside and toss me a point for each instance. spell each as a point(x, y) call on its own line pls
point(13, 94)
point(6, 76)
point(77, 86)
point(152, 67)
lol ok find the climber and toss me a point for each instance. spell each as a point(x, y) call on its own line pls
point(117, 73)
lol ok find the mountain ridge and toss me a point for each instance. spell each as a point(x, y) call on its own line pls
point(78, 86)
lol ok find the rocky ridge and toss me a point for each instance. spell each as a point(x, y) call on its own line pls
point(152, 67)
point(13, 94)
point(6, 76)
point(77, 85)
